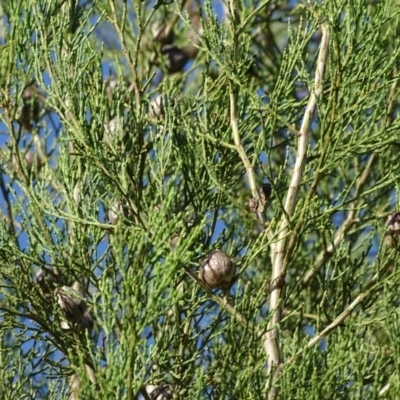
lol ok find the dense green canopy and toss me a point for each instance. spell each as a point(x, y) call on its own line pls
point(197, 199)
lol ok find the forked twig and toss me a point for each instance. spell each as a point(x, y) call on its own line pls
point(345, 314)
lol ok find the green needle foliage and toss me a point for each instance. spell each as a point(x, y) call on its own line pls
point(136, 137)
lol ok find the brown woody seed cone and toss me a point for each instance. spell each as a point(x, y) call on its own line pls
point(217, 270)
point(30, 110)
point(156, 107)
point(162, 392)
point(392, 229)
point(72, 303)
point(31, 159)
point(174, 58)
point(33, 162)
point(45, 279)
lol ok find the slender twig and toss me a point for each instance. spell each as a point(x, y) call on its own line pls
point(220, 301)
point(170, 26)
point(25, 184)
point(383, 391)
point(255, 12)
point(239, 146)
point(349, 221)
point(345, 314)
point(246, 162)
point(119, 27)
point(133, 63)
point(9, 210)
point(271, 342)
point(342, 231)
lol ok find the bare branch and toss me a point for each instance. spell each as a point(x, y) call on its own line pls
point(271, 343)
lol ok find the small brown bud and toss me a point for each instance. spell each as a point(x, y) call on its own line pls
point(162, 392)
point(174, 58)
point(174, 239)
point(72, 303)
point(217, 270)
point(392, 229)
point(253, 204)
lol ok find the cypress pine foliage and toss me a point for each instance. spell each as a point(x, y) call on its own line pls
point(198, 199)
